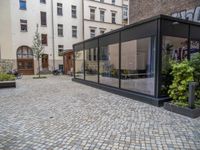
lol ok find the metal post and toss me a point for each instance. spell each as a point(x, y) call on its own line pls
point(192, 86)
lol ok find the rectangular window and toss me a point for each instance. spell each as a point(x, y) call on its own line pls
point(92, 33)
point(60, 30)
point(59, 9)
point(113, 2)
point(113, 18)
point(23, 24)
point(43, 18)
point(44, 39)
point(60, 50)
point(102, 15)
point(102, 31)
point(102, 1)
point(74, 11)
point(74, 31)
point(43, 1)
point(92, 14)
point(125, 11)
point(22, 4)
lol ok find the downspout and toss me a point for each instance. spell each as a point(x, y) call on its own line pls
point(83, 21)
point(53, 38)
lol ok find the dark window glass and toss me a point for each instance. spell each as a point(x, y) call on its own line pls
point(22, 4)
point(92, 14)
point(73, 11)
point(92, 33)
point(43, 1)
point(44, 39)
point(24, 52)
point(60, 50)
point(60, 30)
point(113, 18)
point(23, 25)
point(43, 17)
point(59, 9)
point(74, 31)
point(102, 15)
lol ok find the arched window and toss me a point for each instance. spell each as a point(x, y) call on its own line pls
point(24, 52)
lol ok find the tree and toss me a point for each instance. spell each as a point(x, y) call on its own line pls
point(37, 48)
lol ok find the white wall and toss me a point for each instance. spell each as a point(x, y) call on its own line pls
point(5, 30)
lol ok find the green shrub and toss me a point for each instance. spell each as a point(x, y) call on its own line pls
point(6, 77)
point(182, 74)
point(195, 63)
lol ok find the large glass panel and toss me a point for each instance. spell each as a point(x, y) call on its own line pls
point(109, 60)
point(91, 65)
point(138, 65)
point(173, 48)
point(79, 64)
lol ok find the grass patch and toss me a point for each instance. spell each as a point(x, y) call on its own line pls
point(43, 77)
point(6, 77)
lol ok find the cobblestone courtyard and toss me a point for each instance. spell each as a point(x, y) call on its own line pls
point(56, 113)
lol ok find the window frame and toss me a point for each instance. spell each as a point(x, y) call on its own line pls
point(92, 14)
point(74, 11)
point(23, 23)
point(60, 30)
point(45, 20)
point(74, 30)
point(22, 5)
point(44, 41)
point(59, 9)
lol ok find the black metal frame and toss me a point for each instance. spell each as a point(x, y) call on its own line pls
point(157, 99)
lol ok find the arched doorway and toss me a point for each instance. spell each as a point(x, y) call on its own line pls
point(25, 61)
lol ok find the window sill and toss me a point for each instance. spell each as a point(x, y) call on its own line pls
point(44, 44)
point(24, 31)
point(22, 9)
point(75, 37)
point(60, 15)
point(60, 36)
point(43, 25)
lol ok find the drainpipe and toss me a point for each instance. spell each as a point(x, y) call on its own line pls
point(53, 37)
point(83, 21)
point(0, 52)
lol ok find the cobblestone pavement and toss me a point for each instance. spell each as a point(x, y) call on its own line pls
point(56, 113)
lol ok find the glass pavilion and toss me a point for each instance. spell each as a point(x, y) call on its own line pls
point(133, 61)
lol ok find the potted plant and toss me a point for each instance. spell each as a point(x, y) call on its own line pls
point(183, 74)
point(6, 80)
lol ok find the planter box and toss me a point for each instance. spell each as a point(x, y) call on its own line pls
point(7, 84)
point(192, 113)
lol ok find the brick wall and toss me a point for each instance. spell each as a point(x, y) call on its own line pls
point(142, 9)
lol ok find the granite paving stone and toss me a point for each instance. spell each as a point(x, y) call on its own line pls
point(58, 114)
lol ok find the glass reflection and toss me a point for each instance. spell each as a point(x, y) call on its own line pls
point(91, 65)
point(137, 65)
point(79, 64)
point(173, 48)
point(109, 65)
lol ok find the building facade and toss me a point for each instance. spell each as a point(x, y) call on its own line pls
point(185, 9)
point(102, 16)
point(60, 23)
